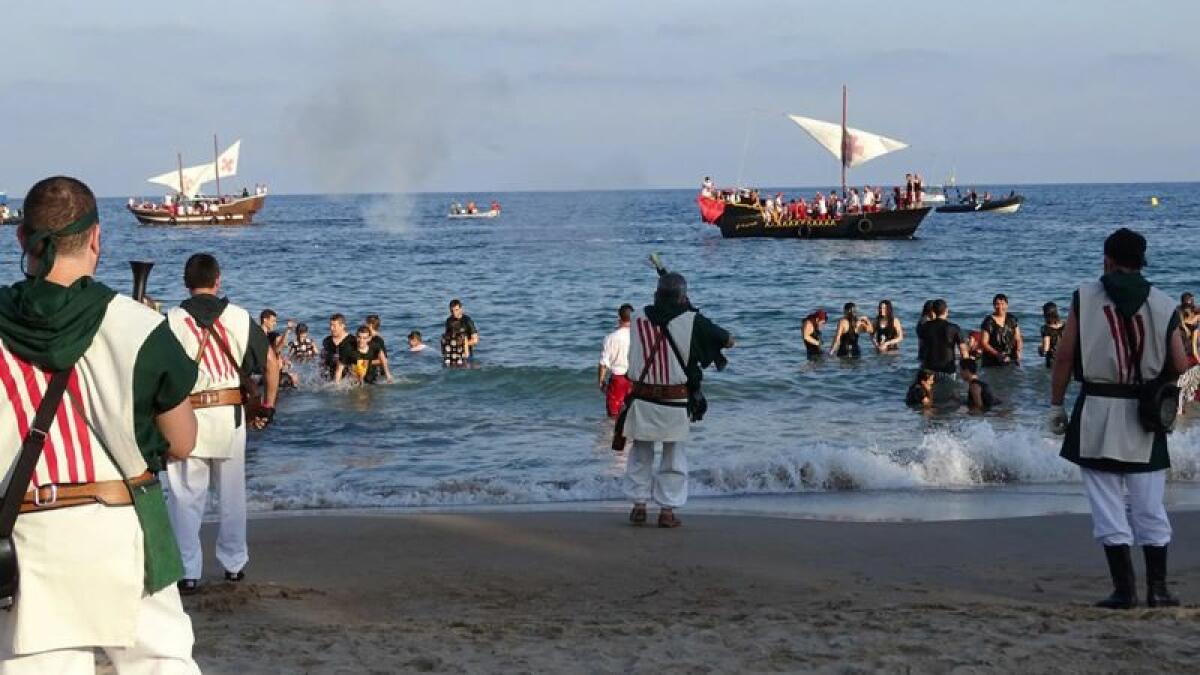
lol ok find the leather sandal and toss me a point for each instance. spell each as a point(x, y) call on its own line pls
point(666, 518)
point(638, 515)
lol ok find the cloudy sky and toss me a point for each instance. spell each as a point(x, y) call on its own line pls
point(373, 96)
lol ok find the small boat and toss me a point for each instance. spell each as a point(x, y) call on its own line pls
point(188, 207)
point(851, 147)
point(458, 211)
point(1008, 204)
point(7, 215)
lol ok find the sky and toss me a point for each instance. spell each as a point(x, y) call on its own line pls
point(353, 96)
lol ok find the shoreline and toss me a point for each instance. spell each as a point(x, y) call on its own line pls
point(572, 591)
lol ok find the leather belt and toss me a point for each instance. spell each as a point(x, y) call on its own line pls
point(660, 392)
point(1111, 390)
point(59, 496)
point(212, 399)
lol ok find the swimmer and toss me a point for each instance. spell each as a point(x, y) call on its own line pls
point(1002, 341)
point(920, 392)
point(979, 394)
point(373, 323)
point(1052, 330)
point(302, 348)
point(333, 344)
point(459, 337)
point(414, 342)
point(810, 332)
point(887, 329)
point(364, 361)
point(845, 342)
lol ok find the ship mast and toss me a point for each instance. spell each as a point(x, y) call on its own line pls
point(216, 165)
point(179, 157)
point(844, 139)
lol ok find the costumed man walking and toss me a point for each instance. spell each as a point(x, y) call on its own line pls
point(1122, 332)
point(669, 365)
point(227, 345)
point(99, 384)
point(614, 363)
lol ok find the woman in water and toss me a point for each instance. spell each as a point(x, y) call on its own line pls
point(888, 331)
point(845, 341)
point(920, 392)
point(811, 332)
point(1002, 340)
point(1052, 330)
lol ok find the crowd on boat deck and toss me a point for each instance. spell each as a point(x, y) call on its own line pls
point(868, 199)
point(457, 209)
point(179, 205)
point(361, 356)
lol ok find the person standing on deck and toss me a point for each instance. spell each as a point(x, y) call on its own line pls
point(614, 363)
point(671, 345)
point(227, 345)
point(86, 580)
point(1121, 331)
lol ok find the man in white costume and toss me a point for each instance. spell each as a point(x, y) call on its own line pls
point(226, 344)
point(614, 363)
point(1121, 331)
point(667, 364)
point(94, 572)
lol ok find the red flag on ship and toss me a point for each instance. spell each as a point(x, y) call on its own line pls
point(710, 209)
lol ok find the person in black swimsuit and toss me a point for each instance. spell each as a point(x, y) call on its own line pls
point(810, 332)
point(888, 331)
point(333, 344)
point(920, 392)
point(1052, 330)
point(1002, 341)
point(363, 360)
point(845, 342)
point(979, 394)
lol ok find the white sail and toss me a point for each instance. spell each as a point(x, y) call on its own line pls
point(861, 146)
point(194, 177)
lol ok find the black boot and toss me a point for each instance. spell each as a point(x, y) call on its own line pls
point(1120, 566)
point(1157, 594)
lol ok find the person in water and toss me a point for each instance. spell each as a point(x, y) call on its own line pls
point(926, 315)
point(277, 342)
point(1052, 330)
point(364, 361)
point(974, 347)
point(415, 345)
point(920, 392)
point(333, 344)
point(845, 341)
point(979, 393)
point(1002, 342)
point(459, 337)
point(373, 322)
point(887, 330)
point(302, 349)
point(810, 332)
point(942, 345)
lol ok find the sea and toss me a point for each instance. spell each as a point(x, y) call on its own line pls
point(525, 428)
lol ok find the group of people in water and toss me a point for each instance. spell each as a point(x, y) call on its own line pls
point(945, 353)
point(778, 208)
point(360, 357)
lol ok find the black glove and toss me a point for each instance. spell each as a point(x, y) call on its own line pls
point(265, 416)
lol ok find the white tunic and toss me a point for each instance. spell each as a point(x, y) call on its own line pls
point(216, 425)
point(648, 421)
point(1109, 427)
point(81, 567)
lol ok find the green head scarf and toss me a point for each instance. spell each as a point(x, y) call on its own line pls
point(43, 243)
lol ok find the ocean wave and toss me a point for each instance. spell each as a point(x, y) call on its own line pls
point(972, 455)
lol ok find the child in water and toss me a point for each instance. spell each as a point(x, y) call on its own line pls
point(920, 392)
point(1052, 331)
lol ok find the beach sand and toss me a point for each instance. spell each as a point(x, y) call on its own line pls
point(586, 592)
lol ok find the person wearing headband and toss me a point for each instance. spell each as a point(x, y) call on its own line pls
point(95, 573)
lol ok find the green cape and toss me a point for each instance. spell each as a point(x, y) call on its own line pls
point(1127, 290)
point(51, 325)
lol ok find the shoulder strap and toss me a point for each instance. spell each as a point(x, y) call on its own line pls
point(31, 450)
point(203, 345)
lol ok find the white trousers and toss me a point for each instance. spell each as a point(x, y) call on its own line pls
point(162, 646)
point(668, 486)
point(188, 481)
point(1139, 521)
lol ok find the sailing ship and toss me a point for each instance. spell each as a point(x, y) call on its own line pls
point(187, 206)
point(853, 147)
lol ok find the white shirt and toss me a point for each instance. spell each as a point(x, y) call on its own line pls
point(615, 355)
point(868, 198)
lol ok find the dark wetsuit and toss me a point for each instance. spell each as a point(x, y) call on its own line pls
point(886, 332)
point(1054, 334)
point(985, 394)
point(939, 340)
point(814, 353)
point(1001, 338)
point(848, 345)
point(331, 354)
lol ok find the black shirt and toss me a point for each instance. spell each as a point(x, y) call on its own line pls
point(362, 365)
point(378, 343)
point(1001, 338)
point(848, 345)
point(916, 395)
point(986, 398)
point(331, 353)
point(939, 340)
point(460, 327)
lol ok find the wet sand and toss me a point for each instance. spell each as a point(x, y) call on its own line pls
point(586, 592)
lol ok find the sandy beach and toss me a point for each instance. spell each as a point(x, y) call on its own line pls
point(586, 592)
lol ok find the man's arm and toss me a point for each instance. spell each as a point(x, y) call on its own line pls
point(1179, 357)
point(602, 374)
point(1020, 341)
point(178, 426)
point(339, 371)
point(1064, 361)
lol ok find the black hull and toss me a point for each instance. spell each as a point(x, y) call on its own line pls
point(990, 205)
point(739, 220)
